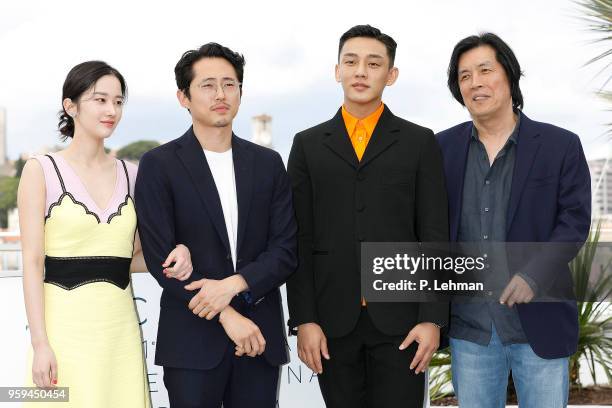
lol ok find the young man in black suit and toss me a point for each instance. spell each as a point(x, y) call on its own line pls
point(364, 175)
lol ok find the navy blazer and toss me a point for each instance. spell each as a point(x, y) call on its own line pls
point(550, 201)
point(177, 202)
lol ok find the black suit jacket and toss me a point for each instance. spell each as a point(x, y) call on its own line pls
point(395, 194)
point(177, 202)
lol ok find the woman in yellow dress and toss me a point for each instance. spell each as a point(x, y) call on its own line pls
point(80, 243)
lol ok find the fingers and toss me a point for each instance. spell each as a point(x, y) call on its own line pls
point(310, 362)
point(37, 378)
point(316, 359)
point(195, 285)
point(181, 270)
point(506, 296)
point(306, 357)
point(408, 340)
point(246, 345)
point(418, 356)
point(210, 315)
point(261, 341)
point(169, 259)
point(424, 362)
point(255, 349)
point(324, 350)
point(197, 307)
point(185, 273)
point(53, 373)
point(45, 378)
point(239, 351)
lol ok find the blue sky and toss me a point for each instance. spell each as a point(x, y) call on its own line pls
point(290, 51)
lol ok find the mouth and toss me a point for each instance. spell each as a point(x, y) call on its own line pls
point(360, 86)
point(108, 123)
point(478, 98)
point(220, 108)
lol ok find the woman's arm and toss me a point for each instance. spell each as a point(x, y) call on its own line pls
point(31, 198)
point(138, 262)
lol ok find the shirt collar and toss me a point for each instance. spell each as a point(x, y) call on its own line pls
point(369, 122)
point(513, 136)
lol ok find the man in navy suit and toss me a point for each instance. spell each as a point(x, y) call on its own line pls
point(221, 338)
point(511, 179)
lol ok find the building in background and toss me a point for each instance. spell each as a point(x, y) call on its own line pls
point(7, 168)
point(601, 190)
point(262, 130)
point(601, 187)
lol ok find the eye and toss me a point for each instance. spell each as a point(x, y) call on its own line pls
point(230, 85)
point(349, 62)
point(374, 64)
point(464, 77)
point(206, 86)
point(486, 70)
point(119, 102)
point(101, 100)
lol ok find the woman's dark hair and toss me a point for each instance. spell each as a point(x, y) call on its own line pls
point(81, 78)
point(183, 71)
point(504, 55)
point(370, 32)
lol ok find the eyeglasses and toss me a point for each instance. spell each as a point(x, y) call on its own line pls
point(211, 87)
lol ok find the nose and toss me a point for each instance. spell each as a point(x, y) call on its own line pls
point(111, 109)
point(476, 80)
point(219, 95)
point(361, 70)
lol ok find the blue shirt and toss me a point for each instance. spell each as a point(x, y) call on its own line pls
point(486, 194)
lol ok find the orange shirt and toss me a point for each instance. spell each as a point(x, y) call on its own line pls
point(360, 130)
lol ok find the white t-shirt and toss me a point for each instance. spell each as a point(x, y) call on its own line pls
point(222, 169)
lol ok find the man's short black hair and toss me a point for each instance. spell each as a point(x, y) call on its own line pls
point(370, 32)
point(504, 55)
point(183, 71)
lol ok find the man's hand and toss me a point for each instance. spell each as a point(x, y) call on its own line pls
point(214, 295)
point(182, 263)
point(517, 291)
point(428, 337)
point(311, 344)
point(243, 332)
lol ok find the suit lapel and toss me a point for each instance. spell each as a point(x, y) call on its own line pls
point(526, 150)
point(244, 168)
point(194, 160)
point(385, 134)
point(455, 177)
point(338, 140)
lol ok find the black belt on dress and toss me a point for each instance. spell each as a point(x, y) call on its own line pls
point(72, 272)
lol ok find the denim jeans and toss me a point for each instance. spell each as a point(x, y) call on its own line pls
point(480, 375)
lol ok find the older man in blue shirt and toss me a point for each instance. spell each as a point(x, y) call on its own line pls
point(511, 179)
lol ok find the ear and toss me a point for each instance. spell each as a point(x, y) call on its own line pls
point(70, 107)
point(183, 99)
point(337, 73)
point(392, 76)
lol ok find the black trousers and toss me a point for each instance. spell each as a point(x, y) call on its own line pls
point(367, 370)
point(237, 382)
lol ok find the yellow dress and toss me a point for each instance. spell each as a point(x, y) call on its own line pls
point(90, 314)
